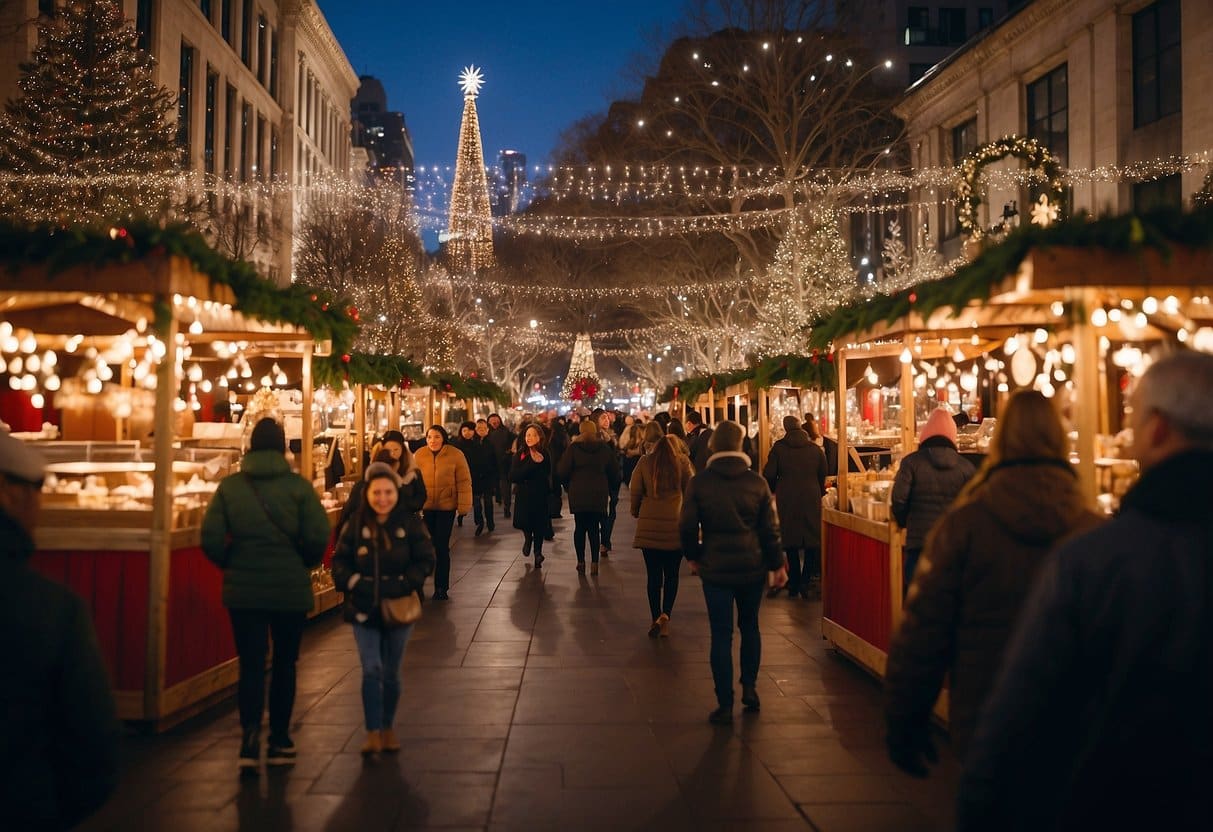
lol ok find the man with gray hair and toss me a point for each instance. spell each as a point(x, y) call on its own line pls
point(1102, 715)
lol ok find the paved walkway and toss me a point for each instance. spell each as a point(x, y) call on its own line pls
point(534, 700)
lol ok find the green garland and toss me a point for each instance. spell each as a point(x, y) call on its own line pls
point(815, 371)
point(1129, 234)
point(1037, 156)
point(394, 370)
point(59, 249)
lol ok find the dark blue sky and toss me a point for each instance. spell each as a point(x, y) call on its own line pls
point(546, 64)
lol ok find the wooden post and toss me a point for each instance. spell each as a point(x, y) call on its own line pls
point(909, 425)
point(1086, 387)
point(127, 381)
point(306, 437)
point(359, 427)
point(843, 445)
point(160, 549)
point(711, 420)
point(764, 426)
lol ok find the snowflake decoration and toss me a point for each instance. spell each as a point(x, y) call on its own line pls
point(471, 80)
point(1044, 213)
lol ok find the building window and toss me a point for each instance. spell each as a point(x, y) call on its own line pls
point(1048, 113)
point(1159, 193)
point(964, 142)
point(274, 64)
point(259, 156)
point(143, 24)
point(952, 27)
point(225, 22)
point(918, 26)
point(46, 8)
point(1157, 69)
point(985, 18)
point(184, 102)
point(204, 6)
point(208, 129)
point(229, 131)
point(246, 127)
point(246, 34)
point(263, 51)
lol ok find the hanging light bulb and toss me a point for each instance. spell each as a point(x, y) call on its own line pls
point(1149, 305)
point(93, 385)
point(958, 356)
point(29, 343)
point(1041, 336)
point(196, 327)
point(206, 385)
point(1114, 315)
point(1011, 345)
point(907, 357)
point(195, 373)
point(52, 383)
point(1099, 317)
point(37, 401)
point(1170, 304)
point(1068, 354)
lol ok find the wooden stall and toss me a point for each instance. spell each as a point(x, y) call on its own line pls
point(1065, 311)
point(136, 560)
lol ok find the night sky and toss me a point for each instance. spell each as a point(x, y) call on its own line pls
point(546, 64)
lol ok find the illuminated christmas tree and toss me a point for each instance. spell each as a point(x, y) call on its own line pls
point(89, 111)
point(582, 383)
point(469, 246)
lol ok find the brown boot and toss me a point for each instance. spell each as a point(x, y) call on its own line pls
point(373, 744)
point(390, 742)
point(663, 624)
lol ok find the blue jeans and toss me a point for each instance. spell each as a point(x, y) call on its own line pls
point(720, 600)
point(381, 652)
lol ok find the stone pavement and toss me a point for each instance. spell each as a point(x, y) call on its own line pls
point(535, 700)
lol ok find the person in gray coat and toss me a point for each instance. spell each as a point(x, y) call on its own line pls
point(796, 472)
point(927, 482)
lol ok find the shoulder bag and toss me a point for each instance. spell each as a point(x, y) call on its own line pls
point(269, 515)
point(396, 612)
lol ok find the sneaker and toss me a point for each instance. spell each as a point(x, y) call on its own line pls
point(440, 595)
point(373, 744)
point(594, 568)
point(655, 629)
point(281, 752)
point(663, 624)
point(388, 740)
point(250, 749)
point(539, 561)
point(721, 716)
point(749, 698)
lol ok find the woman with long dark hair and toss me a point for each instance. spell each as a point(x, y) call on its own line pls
point(590, 471)
point(658, 483)
point(531, 474)
point(384, 552)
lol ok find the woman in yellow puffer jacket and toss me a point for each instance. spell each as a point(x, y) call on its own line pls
point(448, 488)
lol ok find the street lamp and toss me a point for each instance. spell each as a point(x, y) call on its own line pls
point(534, 323)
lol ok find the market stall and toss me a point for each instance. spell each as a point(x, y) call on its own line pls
point(1076, 323)
point(115, 336)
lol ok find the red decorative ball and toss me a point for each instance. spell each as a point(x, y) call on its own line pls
point(314, 298)
point(913, 297)
point(324, 307)
point(830, 357)
point(346, 358)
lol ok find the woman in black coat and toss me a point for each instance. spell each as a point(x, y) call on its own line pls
point(590, 471)
point(796, 473)
point(385, 551)
point(531, 473)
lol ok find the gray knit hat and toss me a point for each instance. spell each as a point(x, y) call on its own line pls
point(381, 469)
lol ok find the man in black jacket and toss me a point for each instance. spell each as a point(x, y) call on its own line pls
point(59, 737)
point(501, 439)
point(733, 509)
point(1102, 715)
point(698, 435)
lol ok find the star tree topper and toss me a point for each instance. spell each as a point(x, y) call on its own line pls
point(471, 80)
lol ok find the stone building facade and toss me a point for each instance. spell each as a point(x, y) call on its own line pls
point(1100, 82)
point(263, 97)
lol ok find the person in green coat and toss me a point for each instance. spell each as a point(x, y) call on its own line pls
point(266, 530)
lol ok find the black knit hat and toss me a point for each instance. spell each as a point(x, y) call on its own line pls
point(268, 436)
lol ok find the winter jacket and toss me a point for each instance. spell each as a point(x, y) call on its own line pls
point(927, 482)
point(482, 463)
point(1100, 717)
point(266, 567)
point(590, 471)
point(502, 441)
point(972, 579)
point(405, 559)
point(448, 480)
point(735, 511)
point(796, 473)
point(60, 733)
point(697, 447)
point(412, 495)
point(657, 514)
point(533, 481)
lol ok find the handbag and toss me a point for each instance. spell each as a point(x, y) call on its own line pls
point(397, 612)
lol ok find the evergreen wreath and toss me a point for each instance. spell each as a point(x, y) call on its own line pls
point(583, 387)
point(1035, 154)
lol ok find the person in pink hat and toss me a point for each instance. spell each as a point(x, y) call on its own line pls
point(927, 482)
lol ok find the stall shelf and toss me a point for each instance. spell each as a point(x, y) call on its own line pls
point(1054, 289)
point(155, 599)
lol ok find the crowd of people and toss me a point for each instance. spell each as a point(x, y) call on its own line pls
point(1077, 651)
